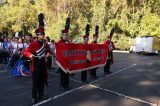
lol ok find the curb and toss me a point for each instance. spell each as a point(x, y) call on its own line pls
point(119, 51)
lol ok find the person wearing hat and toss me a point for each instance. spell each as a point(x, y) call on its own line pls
point(49, 59)
point(84, 73)
point(109, 61)
point(92, 72)
point(64, 77)
point(85, 40)
point(37, 51)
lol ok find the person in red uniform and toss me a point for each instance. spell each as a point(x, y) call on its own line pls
point(37, 51)
point(64, 77)
point(95, 38)
point(85, 39)
point(111, 47)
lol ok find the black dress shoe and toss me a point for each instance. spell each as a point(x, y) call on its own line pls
point(91, 76)
point(41, 98)
point(34, 100)
point(108, 72)
point(95, 77)
point(71, 74)
point(65, 88)
point(57, 71)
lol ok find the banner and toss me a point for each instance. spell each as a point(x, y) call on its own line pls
point(72, 58)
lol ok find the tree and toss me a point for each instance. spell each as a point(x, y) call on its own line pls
point(131, 17)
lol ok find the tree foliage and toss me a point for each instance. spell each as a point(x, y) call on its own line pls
point(131, 17)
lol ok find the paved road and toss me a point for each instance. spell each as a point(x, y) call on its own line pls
point(135, 82)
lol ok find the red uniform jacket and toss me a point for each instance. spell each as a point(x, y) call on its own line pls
point(93, 42)
point(111, 50)
point(61, 41)
point(32, 50)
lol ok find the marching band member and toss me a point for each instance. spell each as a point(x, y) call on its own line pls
point(39, 70)
point(64, 77)
point(95, 41)
point(111, 47)
point(49, 59)
point(85, 39)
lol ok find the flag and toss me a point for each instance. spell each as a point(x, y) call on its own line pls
point(20, 70)
point(9, 60)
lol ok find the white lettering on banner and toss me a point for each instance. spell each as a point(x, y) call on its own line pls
point(98, 58)
point(82, 52)
point(77, 61)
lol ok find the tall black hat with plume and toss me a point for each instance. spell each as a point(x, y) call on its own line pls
point(87, 31)
point(67, 26)
point(40, 29)
point(41, 20)
point(112, 32)
point(96, 31)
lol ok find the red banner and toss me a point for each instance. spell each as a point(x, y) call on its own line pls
point(72, 58)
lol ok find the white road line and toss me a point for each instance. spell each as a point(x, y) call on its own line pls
point(90, 84)
point(60, 95)
point(99, 78)
point(123, 70)
point(113, 73)
point(75, 89)
point(69, 78)
point(122, 95)
point(65, 93)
